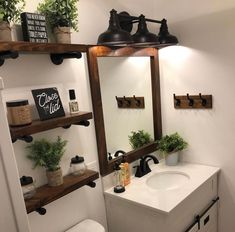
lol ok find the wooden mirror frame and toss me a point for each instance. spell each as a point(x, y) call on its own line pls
point(93, 53)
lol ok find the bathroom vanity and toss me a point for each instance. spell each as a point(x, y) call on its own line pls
point(166, 200)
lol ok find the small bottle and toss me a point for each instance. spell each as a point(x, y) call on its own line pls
point(119, 186)
point(73, 104)
point(125, 171)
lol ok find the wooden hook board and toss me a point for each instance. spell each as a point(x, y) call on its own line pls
point(192, 101)
point(130, 102)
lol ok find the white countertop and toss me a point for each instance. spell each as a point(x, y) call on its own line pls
point(165, 200)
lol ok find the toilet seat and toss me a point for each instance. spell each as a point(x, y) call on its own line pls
point(87, 225)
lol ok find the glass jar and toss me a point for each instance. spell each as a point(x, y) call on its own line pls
point(78, 167)
point(19, 113)
point(28, 187)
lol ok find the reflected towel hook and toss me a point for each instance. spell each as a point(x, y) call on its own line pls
point(203, 100)
point(137, 102)
point(191, 101)
point(177, 101)
point(128, 102)
point(120, 103)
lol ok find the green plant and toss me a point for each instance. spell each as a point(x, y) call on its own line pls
point(139, 139)
point(10, 10)
point(171, 143)
point(62, 13)
point(47, 154)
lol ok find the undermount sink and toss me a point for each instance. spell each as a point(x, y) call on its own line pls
point(167, 180)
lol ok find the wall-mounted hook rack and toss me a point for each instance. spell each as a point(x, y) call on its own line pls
point(58, 59)
point(8, 55)
point(192, 101)
point(130, 102)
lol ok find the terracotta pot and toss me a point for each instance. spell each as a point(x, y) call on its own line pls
point(62, 35)
point(55, 178)
point(5, 31)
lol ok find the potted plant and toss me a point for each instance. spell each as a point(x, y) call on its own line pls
point(48, 154)
point(139, 139)
point(170, 145)
point(61, 16)
point(10, 11)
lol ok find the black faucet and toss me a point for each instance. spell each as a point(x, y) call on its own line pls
point(144, 168)
point(119, 151)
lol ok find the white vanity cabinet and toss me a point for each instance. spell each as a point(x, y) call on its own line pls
point(171, 210)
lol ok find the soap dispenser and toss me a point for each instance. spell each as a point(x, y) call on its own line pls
point(119, 186)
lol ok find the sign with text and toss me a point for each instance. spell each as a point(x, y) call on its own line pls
point(34, 27)
point(48, 103)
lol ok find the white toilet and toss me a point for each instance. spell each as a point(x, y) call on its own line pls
point(87, 225)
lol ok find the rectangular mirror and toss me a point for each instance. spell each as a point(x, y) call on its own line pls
point(126, 74)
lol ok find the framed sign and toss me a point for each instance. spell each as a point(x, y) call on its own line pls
point(48, 103)
point(34, 27)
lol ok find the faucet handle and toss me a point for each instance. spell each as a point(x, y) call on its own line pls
point(138, 172)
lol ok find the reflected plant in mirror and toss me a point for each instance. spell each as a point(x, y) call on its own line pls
point(139, 139)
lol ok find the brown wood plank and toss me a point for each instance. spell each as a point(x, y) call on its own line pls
point(46, 194)
point(29, 47)
point(39, 126)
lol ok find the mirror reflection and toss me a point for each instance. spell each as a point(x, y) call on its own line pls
point(128, 77)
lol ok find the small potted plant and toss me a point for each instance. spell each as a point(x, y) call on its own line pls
point(61, 16)
point(170, 145)
point(48, 154)
point(10, 11)
point(139, 139)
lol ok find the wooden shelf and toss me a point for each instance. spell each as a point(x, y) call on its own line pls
point(46, 194)
point(39, 126)
point(29, 47)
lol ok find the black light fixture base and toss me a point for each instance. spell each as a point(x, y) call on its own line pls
point(58, 59)
point(125, 22)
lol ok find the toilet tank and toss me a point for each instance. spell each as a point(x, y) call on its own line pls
point(87, 225)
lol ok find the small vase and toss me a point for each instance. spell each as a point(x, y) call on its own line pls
point(62, 35)
point(5, 31)
point(55, 178)
point(172, 159)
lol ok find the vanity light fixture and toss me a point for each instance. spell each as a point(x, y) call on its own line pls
point(123, 22)
point(115, 35)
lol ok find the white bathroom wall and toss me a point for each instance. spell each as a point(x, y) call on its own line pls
point(204, 62)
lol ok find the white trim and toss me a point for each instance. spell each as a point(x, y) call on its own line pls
point(11, 170)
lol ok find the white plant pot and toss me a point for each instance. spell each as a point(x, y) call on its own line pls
point(172, 159)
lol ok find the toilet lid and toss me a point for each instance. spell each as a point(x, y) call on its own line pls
point(87, 225)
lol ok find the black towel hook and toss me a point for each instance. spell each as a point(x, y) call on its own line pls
point(203, 100)
point(191, 101)
point(119, 101)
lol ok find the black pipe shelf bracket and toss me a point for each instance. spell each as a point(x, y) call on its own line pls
point(26, 138)
point(85, 123)
point(192, 101)
point(91, 184)
point(58, 58)
point(8, 55)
